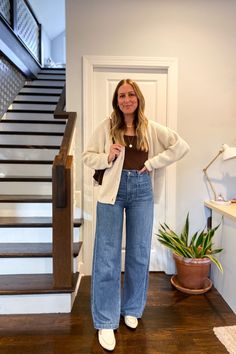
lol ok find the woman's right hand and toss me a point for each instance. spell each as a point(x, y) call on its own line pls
point(115, 150)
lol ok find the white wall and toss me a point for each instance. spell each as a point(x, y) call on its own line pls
point(46, 48)
point(54, 49)
point(58, 49)
point(201, 34)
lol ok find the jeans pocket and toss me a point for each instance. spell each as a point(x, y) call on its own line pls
point(144, 188)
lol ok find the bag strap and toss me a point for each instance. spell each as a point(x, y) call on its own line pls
point(113, 140)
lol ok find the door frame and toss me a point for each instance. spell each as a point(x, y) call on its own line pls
point(90, 64)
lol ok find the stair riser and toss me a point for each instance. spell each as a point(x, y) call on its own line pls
point(56, 77)
point(31, 140)
point(28, 188)
point(36, 304)
point(25, 116)
point(32, 127)
point(25, 209)
point(25, 170)
point(45, 83)
point(33, 265)
point(30, 154)
point(25, 234)
point(40, 90)
point(29, 209)
point(32, 106)
point(30, 235)
point(36, 98)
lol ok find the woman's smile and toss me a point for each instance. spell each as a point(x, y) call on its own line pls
point(127, 99)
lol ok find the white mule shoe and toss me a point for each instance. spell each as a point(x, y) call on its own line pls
point(131, 322)
point(107, 339)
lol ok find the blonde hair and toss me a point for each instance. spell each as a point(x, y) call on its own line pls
point(140, 121)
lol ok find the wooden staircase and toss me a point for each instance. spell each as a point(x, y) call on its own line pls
point(30, 138)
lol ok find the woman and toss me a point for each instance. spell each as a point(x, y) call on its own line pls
point(134, 151)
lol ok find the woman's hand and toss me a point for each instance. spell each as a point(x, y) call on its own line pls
point(115, 150)
point(144, 169)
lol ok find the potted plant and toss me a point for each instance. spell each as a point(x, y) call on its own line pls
point(193, 256)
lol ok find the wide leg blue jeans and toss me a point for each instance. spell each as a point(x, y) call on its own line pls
point(109, 301)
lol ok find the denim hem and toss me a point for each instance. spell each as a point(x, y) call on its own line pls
point(131, 314)
point(106, 326)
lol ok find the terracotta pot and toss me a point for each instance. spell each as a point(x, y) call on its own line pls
point(192, 273)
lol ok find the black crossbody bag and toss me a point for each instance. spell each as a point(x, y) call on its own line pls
point(98, 176)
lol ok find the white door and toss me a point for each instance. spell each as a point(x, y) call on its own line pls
point(153, 84)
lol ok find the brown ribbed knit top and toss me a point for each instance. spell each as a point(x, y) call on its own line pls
point(134, 159)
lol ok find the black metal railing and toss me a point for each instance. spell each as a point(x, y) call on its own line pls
point(5, 10)
point(19, 16)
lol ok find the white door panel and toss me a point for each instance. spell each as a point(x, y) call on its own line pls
point(153, 87)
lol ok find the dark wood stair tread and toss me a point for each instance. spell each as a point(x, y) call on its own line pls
point(34, 121)
point(49, 79)
point(48, 68)
point(32, 284)
point(34, 102)
point(25, 179)
point(32, 250)
point(29, 221)
point(38, 94)
point(23, 146)
point(37, 133)
point(27, 162)
point(9, 198)
point(47, 73)
point(44, 86)
point(30, 111)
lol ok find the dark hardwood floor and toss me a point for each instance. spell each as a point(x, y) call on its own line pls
point(173, 322)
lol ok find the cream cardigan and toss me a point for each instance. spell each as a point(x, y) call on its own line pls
point(165, 147)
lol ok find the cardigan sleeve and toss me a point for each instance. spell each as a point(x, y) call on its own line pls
point(168, 147)
point(96, 154)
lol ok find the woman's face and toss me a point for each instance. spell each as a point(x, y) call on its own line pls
point(127, 99)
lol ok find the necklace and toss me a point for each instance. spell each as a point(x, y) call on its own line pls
point(130, 140)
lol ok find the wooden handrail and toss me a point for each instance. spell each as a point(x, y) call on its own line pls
point(62, 191)
point(68, 136)
point(60, 107)
point(61, 158)
point(59, 113)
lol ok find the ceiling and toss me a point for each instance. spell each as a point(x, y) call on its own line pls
point(51, 15)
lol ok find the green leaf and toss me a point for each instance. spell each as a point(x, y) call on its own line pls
point(193, 239)
point(218, 250)
point(185, 232)
point(216, 262)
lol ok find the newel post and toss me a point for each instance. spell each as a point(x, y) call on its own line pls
point(62, 223)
